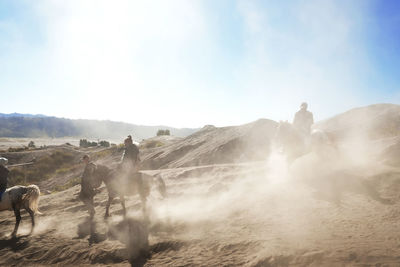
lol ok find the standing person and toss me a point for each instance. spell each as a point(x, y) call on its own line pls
point(130, 158)
point(4, 171)
point(87, 188)
point(303, 120)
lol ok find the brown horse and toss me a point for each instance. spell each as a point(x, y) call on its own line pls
point(120, 184)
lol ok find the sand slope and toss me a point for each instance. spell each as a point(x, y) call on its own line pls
point(227, 215)
point(213, 145)
point(221, 211)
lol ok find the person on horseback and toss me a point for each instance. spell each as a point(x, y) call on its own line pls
point(3, 175)
point(130, 158)
point(130, 161)
point(302, 122)
point(303, 119)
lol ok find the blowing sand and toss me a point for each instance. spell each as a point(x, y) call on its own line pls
point(339, 209)
point(242, 215)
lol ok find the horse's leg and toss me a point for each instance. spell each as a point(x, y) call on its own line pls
point(162, 189)
point(18, 220)
point(110, 199)
point(32, 214)
point(143, 199)
point(144, 191)
point(122, 199)
point(90, 206)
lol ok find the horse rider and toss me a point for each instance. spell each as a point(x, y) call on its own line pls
point(3, 175)
point(303, 119)
point(130, 158)
point(88, 190)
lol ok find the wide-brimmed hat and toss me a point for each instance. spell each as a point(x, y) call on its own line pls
point(3, 161)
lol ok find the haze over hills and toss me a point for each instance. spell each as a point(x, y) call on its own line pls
point(373, 121)
point(232, 200)
point(27, 125)
point(21, 115)
point(252, 141)
point(215, 145)
point(376, 120)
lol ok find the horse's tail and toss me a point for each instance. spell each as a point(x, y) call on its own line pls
point(32, 197)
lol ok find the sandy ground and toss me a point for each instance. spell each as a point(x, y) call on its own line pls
point(223, 215)
point(340, 208)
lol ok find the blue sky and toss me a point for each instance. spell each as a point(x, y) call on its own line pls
point(190, 63)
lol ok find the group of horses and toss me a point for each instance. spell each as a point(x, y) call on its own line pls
point(120, 185)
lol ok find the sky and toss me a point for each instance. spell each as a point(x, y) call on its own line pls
point(190, 63)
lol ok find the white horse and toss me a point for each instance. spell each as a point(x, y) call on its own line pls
point(18, 197)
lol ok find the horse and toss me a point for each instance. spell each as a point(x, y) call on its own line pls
point(123, 184)
point(18, 197)
point(295, 144)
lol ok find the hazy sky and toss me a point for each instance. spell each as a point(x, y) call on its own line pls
point(190, 63)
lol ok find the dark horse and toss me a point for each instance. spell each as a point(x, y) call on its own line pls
point(21, 197)
point(120, 184)
point(295, 144)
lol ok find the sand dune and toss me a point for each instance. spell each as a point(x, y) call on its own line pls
point(213, 145)
point(234, 201)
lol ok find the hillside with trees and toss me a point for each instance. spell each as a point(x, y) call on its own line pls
point(24, 125)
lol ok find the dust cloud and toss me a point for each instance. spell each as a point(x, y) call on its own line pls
point(298, 203)
point(330, 204)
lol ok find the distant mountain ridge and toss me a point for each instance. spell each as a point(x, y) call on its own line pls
point(28, 125)
point(378, 120)
point(5, 115)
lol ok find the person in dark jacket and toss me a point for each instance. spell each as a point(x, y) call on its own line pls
point(131, 162)
point(130, 158)
point(88, 190)
point(303, 120)
point(4, 171)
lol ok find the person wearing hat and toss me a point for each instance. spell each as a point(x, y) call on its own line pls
point(3, 176)
point(303, 120)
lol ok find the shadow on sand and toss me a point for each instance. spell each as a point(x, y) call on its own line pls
point(131, 232)
point(15, 243)
point(135, 235)
point(89, 228)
